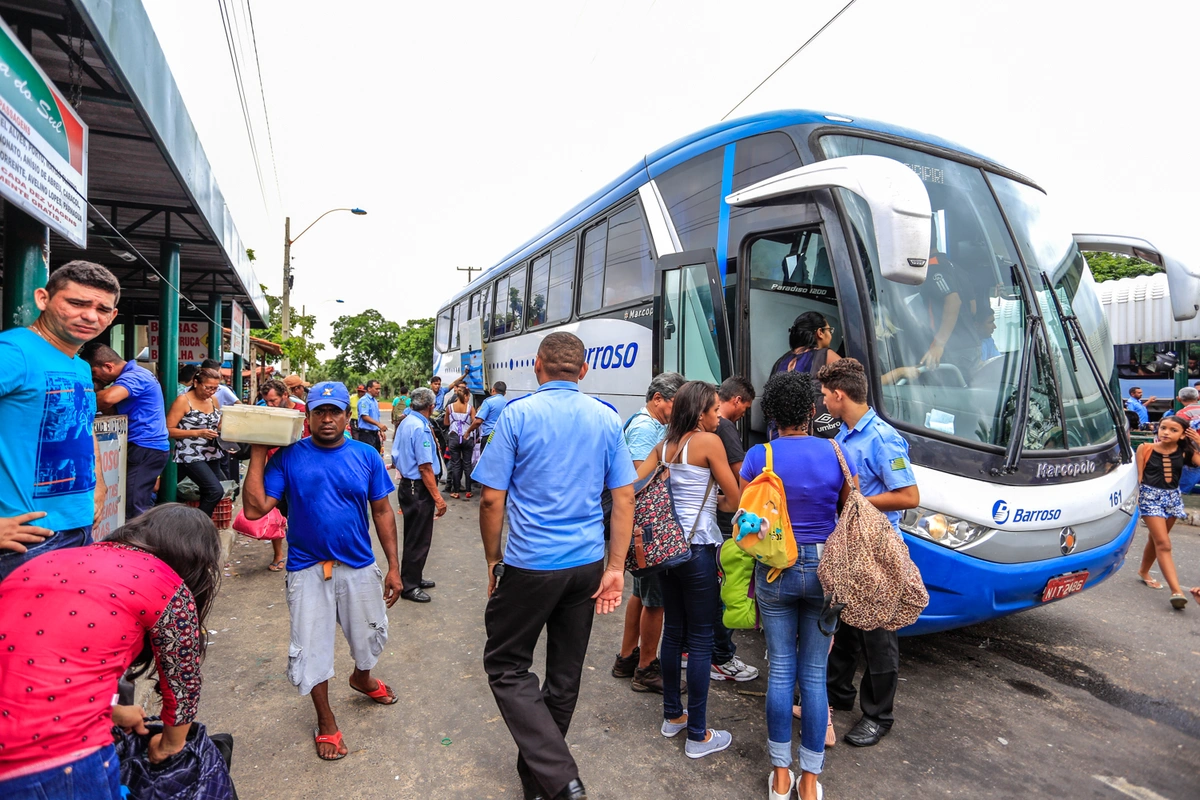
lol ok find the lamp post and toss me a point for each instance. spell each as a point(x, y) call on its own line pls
point(285, 312)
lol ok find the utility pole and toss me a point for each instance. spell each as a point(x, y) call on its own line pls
point(285, 311)
point(469, 270)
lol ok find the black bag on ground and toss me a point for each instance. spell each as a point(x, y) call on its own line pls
point(200, 771)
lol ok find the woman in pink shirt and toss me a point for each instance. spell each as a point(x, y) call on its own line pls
point(72, 622)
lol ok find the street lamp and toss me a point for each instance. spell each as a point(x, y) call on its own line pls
point(285, 316)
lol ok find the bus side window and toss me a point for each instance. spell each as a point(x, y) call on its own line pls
point(591, 272)
point(692, 192)
point(485, 311)
point(510, 303)
point(456, 321)
point(628, 266)
point(443, 331)
point(551, 282)
point(539, 290)
point(500, 317)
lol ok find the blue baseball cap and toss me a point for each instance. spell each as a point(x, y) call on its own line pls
point(328, 393)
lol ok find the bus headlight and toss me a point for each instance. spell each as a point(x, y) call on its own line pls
point(942, 529)
point(1130, 505)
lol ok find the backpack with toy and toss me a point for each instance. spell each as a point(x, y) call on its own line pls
point(762, 527)
point(737, 587)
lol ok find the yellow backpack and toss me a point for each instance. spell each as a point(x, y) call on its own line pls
point(761, 526)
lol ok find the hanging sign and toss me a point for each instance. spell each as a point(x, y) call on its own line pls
point(193, 341)
point(43, 145)
point(239, 333)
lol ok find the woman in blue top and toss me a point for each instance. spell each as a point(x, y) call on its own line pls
point(791, 604)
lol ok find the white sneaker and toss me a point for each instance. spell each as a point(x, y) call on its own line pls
point(715, 744)
point(683, 661)
point(774, 795)
point(670, 729)
point(733, 670)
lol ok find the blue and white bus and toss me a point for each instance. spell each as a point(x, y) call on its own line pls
point(699, 257)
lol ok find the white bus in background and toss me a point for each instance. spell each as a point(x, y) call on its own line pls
point(699, 257)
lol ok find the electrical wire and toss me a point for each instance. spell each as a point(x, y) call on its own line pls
point(789, 58)
point(229, 21)
point(263, 92)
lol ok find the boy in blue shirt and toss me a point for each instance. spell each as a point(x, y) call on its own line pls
point(47, 405)
point(330, 482)
point(886, 479)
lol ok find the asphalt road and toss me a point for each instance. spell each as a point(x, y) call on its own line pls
point(1095, 696)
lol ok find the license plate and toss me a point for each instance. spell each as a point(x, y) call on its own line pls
point(1063, 585)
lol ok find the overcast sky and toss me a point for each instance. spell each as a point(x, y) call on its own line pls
point(466, 128)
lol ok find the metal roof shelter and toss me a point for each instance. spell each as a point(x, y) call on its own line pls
point(148, 173)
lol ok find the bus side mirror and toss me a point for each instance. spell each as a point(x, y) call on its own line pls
point(896, 196)
point(1182, 281)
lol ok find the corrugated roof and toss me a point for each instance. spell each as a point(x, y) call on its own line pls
point(1139, 311)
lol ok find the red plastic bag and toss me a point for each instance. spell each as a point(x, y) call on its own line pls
point(272, 526)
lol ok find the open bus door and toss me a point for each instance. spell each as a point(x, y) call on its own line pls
point(691, 333)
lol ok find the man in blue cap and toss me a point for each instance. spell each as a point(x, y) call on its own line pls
point(550, 456)
point(329, 482)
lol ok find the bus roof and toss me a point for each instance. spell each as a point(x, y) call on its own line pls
point(675, 153)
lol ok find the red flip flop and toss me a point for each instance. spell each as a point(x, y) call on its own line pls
point(380, 695)
point(334, 739)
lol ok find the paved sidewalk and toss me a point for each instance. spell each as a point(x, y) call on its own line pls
point(976, 718)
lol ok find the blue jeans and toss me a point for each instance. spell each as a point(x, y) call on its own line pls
point(789, 608)
point(691, 598)
point(94, 777)
point(74, 537)
point(1189, 479)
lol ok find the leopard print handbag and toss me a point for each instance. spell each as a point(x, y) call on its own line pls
point(866, 567)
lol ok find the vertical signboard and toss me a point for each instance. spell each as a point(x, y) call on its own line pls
point(239, 333)
point(193, 340)
point(43, 145)
point(112, 435)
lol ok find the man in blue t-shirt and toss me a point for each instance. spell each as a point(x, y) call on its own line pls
point(47, 404)
point(551, 454)
point(133, 391)
point(489, 412)
point(886, 479)
point(330, 482)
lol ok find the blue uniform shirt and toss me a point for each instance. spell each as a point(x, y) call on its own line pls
point(225, 395)
point(1136, 407)
point(370, 406)
point(882, 457)
point(489, 412)
point(47, 458)
point(413, 445)
point(144, 407)
point(438, 395)
point(554, 451)
point(329, 491)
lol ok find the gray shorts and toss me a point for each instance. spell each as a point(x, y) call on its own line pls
point(649, 590)
point(353, 598)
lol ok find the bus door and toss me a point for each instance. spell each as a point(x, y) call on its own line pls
point(785, 274)
point(690, 329)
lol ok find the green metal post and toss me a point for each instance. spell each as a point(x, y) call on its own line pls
point(25, 269)
point(237, 375)
point(216, 337)
point(168, 346)
point(129, 347)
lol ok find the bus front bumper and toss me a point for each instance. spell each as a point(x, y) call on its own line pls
point(964, 590)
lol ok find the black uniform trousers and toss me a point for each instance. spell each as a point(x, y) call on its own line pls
point(525, 602)
point(877, 691)
point(143, 466)
point(417, 509)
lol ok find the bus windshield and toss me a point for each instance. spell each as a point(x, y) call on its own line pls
point(950, 350)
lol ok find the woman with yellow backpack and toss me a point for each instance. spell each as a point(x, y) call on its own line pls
point(790, 600)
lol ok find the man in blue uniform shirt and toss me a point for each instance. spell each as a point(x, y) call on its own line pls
point(489, 412)
point(371, 429)
point(551, 455)
point(50, 490)
point(133, 391)
point(421, 503)
point(1135, 404)
point(332, 485)
point(886, 479)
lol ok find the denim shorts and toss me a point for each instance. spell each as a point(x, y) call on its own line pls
point(649, 590)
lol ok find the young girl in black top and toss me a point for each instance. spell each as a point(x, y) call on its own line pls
point(1160, 465)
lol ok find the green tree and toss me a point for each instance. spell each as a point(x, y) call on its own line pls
point(300, 346)
point(1110, 266)
point(366, 341)
point(414, 356)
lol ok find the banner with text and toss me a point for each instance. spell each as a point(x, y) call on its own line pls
point(43, 145)
point(239, 333)
point(112, 435)
point(193, 340)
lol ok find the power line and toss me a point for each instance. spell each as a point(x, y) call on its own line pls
point(263, 92)
point(228, 20)
point(789, 58)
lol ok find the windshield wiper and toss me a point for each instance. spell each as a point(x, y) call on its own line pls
point(1073, 329)
point(1016, 441)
